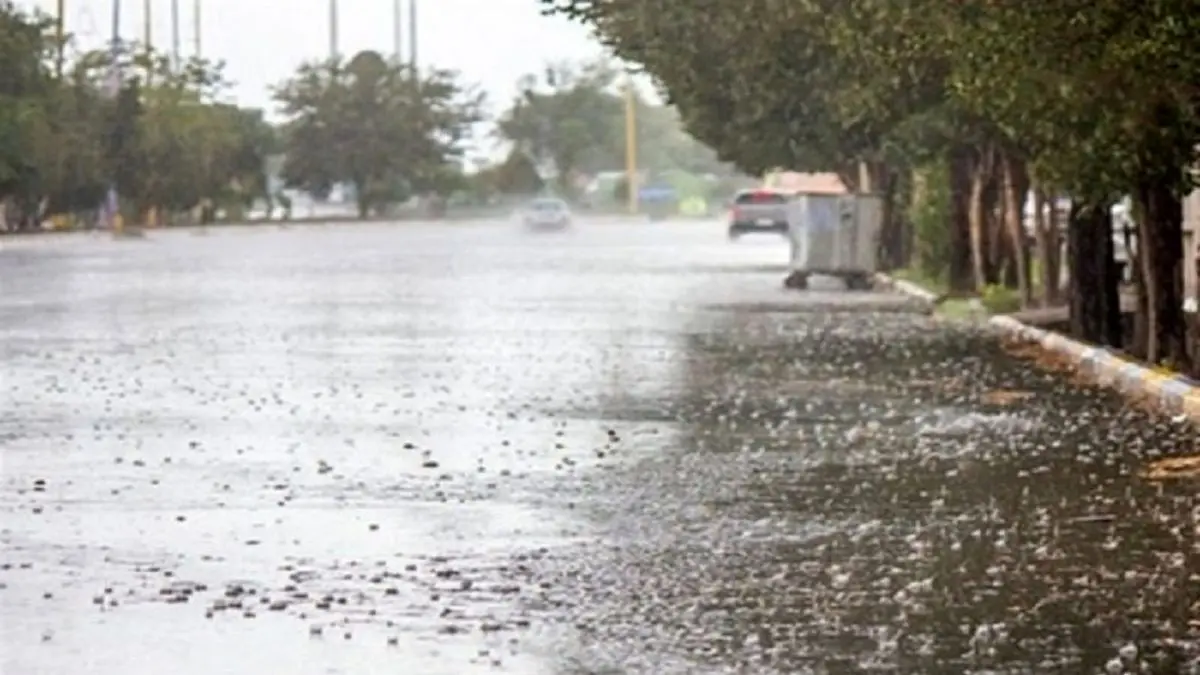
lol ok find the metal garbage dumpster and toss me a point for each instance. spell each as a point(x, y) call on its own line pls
point(834, 235)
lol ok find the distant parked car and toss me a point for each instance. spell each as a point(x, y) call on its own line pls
point(759, 210)
point(547, 213)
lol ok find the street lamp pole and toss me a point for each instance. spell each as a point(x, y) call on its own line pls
point(397, 31)
point(197, 29)
point(412, 35)
point(148, 38)
point(115, 44)
point(631, 180)
point(60, 37)
point(175, 33)
point(147, 25)
point(333, 30)
point(115, 82)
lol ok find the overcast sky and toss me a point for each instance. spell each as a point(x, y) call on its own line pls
point(491, 42)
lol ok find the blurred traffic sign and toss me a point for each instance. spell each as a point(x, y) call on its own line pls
point(657, 193)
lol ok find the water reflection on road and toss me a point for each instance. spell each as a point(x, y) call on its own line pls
point(453, 449)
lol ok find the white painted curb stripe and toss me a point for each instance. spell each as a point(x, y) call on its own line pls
point(1176, 393)
point(906, 287)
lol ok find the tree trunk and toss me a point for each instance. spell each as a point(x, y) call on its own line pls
point(901, 194)
point(1160, 254)
point(1140, 339)
point(1004, 265)
point(975, 217)
point(998, 267)
point(1015, 188)
point(362, 200)
point(1141, 328)
point(1095, 303)
point(1054, 261)
point(960, 219)
point(881, 182)
point(1003, 255)
point(1042, 242)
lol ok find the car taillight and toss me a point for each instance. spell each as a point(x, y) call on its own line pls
point(734, 213)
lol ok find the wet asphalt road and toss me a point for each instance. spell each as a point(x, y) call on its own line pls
point(623, 449)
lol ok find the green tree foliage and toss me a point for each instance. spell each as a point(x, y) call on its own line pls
point(1101, 99)
point(516, 175)
point(664, 145)
point(156, 131)
point(24, 88)
point(377, 126)
point(571, 120)
point(1089, 100)
point(566, 121)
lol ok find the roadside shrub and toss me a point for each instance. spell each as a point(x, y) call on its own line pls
point(998, 299)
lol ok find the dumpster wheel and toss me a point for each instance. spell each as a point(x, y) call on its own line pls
point(796, 281)
point(857, 282)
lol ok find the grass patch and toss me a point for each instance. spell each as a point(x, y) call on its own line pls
point(961, 308)
point(995, 299)
point(912, 276)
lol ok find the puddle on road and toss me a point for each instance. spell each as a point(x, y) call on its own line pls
point(160, 639)
point(881, 523)
point(422, 579)
point(632, 475)
point(191, 468)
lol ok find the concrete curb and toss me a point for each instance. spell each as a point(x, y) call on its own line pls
point(1173, 393)
point(905, 287)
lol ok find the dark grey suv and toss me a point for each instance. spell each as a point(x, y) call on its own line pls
point(761, 210)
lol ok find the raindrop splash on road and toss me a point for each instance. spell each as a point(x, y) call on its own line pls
point(439, 449)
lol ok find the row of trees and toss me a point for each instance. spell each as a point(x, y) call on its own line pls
point(74, 126)
point(371, 124)
point(376, 125)
point(571, 120)
point(976, 104)
point(156, 131)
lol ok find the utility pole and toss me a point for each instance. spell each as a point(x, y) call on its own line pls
point(197, 29)
point(412, 36)
point(175, 58)
point(114, 68)
point(397, 30)
point(115, 77)
point(631, 181)
point(148, 38)
point(60, 36)
point(147, 25)
point(333, 30)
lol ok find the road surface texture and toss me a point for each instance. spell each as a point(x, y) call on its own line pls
point(620, 449)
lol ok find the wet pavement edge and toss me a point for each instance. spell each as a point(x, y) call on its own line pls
point(1173, 393)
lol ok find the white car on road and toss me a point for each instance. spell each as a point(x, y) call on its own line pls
point(547, 213)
